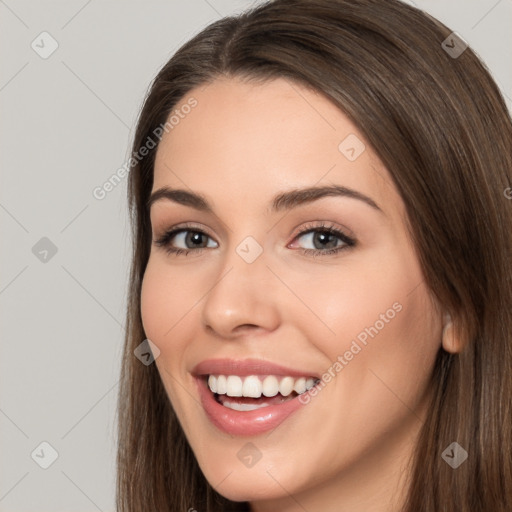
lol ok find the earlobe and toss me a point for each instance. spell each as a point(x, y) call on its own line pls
point(451, 342)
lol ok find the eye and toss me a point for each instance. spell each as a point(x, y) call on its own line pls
point(326, 239)
point(184, 235)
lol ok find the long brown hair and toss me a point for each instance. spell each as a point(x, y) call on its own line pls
point(439, 123)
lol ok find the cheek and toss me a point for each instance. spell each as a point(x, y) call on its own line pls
point(367, 294)
point(384, 327)
point(152, 303)
point(165, 299)
point(166, 305)
point(168, 295)
point(388, 360)
point(404, 357)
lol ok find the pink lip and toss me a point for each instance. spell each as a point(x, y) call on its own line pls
point(244, 423)
point(246, 367)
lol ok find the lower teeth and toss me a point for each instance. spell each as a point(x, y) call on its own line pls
point(248, 404)
point(243, 407)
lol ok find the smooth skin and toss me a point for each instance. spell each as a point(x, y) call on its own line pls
point(346, 450)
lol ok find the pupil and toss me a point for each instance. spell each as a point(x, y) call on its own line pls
point(322, 235)
point(195, 238)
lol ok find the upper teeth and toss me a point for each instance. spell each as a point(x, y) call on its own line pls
point(254, 386)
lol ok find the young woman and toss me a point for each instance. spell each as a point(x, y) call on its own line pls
point(322, 238)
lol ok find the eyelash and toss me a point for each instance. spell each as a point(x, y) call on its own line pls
point(165, 239)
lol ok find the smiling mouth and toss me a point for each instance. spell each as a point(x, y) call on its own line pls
point(253, 392)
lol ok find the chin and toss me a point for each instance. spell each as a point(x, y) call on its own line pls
point(245, 486)
point(265, 480)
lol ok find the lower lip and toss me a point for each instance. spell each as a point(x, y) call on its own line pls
point(245, 423)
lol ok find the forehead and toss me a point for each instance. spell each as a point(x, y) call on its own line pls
point(256, 138)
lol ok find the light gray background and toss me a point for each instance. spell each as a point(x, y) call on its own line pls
point(66, 126)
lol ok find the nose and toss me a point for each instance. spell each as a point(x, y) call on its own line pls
point(243, 298)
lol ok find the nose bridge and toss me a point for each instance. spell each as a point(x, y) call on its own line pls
point(240, 294)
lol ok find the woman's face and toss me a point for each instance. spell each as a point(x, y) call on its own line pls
point(268, 301)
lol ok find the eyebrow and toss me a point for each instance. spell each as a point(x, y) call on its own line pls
point(282, 201)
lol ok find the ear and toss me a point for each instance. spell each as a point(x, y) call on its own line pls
point(450, 340)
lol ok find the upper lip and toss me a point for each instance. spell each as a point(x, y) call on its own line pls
point(244, 367)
